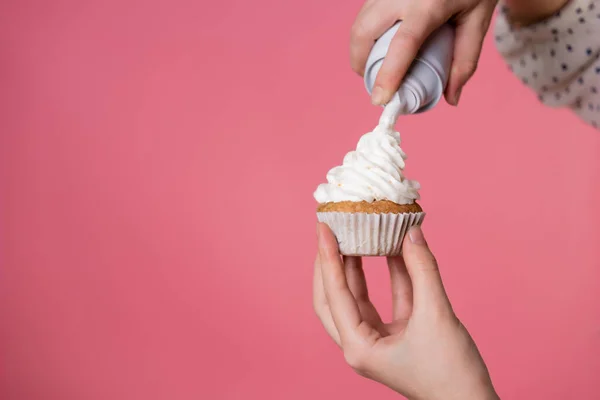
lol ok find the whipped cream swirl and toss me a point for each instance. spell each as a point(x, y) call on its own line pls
point(375, 170)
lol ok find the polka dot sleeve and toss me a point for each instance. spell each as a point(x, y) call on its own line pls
point(559, 58)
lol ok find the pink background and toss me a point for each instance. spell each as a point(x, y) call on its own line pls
point(157, 161)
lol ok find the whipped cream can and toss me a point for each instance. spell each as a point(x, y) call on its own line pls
point(424, 83)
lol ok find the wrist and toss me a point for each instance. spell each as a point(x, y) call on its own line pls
point(487, 393)
point(482, 393)
point(479, 388)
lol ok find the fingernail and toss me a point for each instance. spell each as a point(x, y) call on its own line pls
point(457, 96)
point(416, 235)
point(377, 96)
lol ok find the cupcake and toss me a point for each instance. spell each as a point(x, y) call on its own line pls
point(367, 202)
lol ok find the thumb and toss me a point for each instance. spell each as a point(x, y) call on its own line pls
point(428, 290)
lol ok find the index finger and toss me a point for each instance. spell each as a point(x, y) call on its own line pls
point(412, 33)
point(344, 310)
point(371, 22)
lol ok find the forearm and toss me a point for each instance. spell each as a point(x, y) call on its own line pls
point(525, 12)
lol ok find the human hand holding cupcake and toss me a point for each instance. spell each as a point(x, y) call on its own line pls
point(367, 202)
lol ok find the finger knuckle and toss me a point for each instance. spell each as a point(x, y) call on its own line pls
point(427, 263)
point(484, 26)
point(409, 39)
point(468, 68)
point(432, 11)
point(355, 64)
point(356, 358)
point(358, 31)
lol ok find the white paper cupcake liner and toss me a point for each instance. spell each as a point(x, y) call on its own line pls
point(366, 234)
